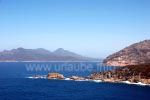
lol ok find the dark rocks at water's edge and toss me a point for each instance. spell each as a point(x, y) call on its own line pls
point(132, 73)
point(138, 53)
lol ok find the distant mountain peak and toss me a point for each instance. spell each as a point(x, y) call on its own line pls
point(62, 52)
point(40, 54)
point(59, 49)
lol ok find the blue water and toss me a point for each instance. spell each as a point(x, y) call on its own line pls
point(15, 86)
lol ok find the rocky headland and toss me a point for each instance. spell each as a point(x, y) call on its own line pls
point(131, 73)
point(138, 53)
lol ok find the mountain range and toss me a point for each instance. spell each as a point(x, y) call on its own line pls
point(40, 54)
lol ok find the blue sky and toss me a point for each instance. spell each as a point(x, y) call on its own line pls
point(93, 28)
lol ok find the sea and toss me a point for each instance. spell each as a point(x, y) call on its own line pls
point(16, 83)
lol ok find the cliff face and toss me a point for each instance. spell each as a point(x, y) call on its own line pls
point(138, 53)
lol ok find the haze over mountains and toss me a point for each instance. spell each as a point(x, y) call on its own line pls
point(40, 54)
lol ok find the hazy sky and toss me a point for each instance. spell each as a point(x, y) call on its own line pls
point(93, 28)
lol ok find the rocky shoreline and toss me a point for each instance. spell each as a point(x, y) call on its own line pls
point(135, 79)
point(132, 73)
point(120, 75)
point(93, 80)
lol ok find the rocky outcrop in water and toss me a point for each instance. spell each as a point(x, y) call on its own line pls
point(55, 76)
point(132, 73)
point(77, 78)
point(138, 53)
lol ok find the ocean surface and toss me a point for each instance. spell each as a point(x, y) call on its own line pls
point(15, 83)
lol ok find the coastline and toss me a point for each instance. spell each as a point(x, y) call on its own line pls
point(92, 80)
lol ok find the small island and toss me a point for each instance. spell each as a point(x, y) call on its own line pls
point(55, 76)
